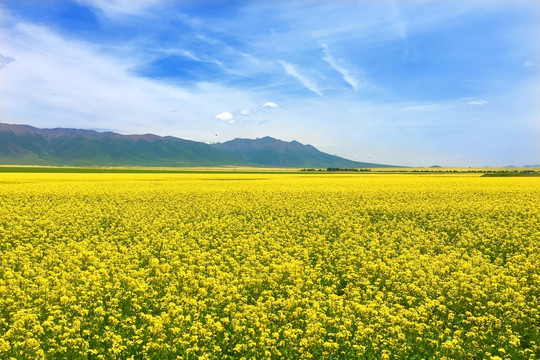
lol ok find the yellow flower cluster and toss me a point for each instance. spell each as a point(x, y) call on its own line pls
point(269, 266)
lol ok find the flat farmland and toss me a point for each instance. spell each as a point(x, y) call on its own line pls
point(269, 266)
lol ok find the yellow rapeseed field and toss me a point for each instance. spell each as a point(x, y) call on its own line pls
point(269, 266)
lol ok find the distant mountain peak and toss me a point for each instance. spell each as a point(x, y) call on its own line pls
point(24, 144)
point(279, 153)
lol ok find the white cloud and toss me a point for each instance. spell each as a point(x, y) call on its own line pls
point(226, 116)
point(230, 116)
point(192, 56)
point(113, 8)
point(477, 102)
point(419, 107)
point(307, 82)
point(270, 105)
point(252, 112)
point(185, 53)
point(345, 73)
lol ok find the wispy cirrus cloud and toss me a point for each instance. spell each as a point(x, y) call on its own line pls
point(345, 73)
point(474, 101)
point(308, 83)
point(188, 54)
point(114, 8)
point(421, 107)
point(477, 102)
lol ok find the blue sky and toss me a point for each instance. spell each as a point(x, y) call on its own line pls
point(417, 83)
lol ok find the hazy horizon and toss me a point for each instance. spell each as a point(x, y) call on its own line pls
point(415, 83)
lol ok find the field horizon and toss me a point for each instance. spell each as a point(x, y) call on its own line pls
point(248, 169)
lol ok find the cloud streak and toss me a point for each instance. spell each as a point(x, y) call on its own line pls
point(115, 8)
point(477, 102)
point(345, 73)
point(308, 83)
point(420, 107)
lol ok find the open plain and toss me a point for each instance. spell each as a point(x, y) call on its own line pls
point(269, 266)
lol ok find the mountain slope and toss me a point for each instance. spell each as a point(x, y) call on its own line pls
point(23, 144)
point(27, 145)
point(273, 152)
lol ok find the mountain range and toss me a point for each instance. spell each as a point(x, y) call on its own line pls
point(28, 145)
